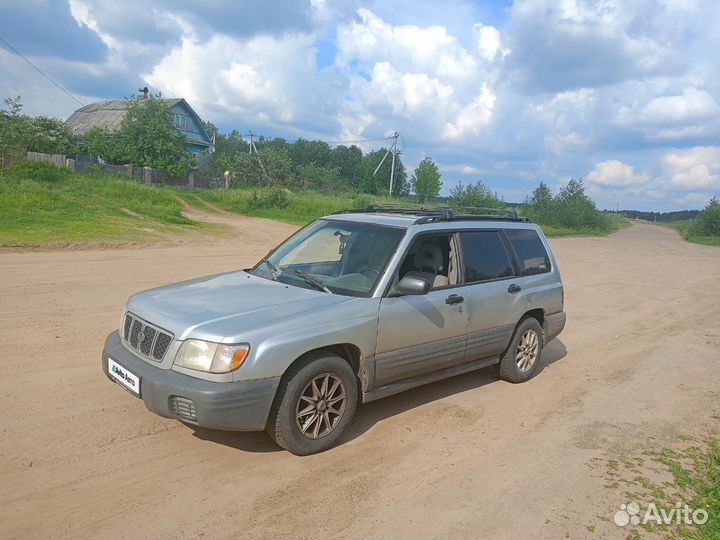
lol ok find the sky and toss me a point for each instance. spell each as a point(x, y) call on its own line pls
point(623, 94)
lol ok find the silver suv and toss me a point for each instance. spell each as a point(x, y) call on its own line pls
point(354, 307)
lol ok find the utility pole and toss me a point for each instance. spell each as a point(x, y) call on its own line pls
point(253, 149)
point(394, 151)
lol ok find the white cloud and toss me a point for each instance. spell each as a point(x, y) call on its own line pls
point(472, 118)
point(412, 49)
point(615, 173)
point(698, 200)
point(693, 168)
point(690, 106)
point(488, 42)
point(461, 168)
point(576, 43)
point(264, 79)
point(420, 78)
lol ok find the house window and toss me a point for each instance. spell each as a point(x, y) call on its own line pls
point(181, 122)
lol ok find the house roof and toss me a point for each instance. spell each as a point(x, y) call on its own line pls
point(109, 115)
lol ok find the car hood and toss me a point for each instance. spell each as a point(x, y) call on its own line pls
point(219, 307)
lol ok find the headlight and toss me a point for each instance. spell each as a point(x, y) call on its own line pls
point(211, 357)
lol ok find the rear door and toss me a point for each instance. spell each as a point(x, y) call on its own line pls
point(489, 272)
point(538, 283)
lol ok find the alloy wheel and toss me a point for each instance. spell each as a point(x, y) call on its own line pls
point(321, 406)
point(527, 351)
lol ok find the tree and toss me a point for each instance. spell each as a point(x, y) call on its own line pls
point(575, 209)
point(542, 206)
point(477, 194)
point(542, 196)
point(246, 169)
point(348, 161)
point(426, 181)
point(147, 137)
point(14, 131)
point(266, 168)
point(305, 152)
point(227, 147)
point(707, 223)
point(318, 177)
point(50, 136)
point(380, 182)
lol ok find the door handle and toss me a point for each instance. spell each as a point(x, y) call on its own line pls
point(512, 289)
point(454, 299)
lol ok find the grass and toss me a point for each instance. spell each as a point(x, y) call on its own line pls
point(43, 205)
point(684, 227)
point(39, 206)
point(298, 207)
point(689, 474)
point(302, 207)
point(615, 223)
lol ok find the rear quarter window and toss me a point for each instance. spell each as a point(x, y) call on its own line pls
point(531, 252)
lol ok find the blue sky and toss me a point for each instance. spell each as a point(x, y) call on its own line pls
point(622, 94)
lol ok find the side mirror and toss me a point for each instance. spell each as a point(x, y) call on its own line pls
point(413, 285)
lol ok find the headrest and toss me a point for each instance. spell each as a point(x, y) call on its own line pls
point(429, 255)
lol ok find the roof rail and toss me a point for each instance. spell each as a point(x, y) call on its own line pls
point(441, 213)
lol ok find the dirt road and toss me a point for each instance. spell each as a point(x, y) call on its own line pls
point(467, 457)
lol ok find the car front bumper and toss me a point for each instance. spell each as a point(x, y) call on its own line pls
point(235, 406)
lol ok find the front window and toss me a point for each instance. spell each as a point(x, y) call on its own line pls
point(342, 257)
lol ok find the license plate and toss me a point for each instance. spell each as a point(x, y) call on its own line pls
point(124, 376)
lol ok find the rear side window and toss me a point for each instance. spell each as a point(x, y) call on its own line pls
point(530, 250)
point(484, 256)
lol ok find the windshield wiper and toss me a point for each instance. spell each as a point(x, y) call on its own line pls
point(315, 282)
point(274, 270)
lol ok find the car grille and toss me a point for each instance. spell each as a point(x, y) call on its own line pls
point(148, 340)
point(183, 408)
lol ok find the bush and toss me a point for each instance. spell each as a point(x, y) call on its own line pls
point(275, 197)
point(477, 194)
point(37, 170)
point(707, 223)
point(570, 209)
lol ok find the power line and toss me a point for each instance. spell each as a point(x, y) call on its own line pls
point(40, 71)
point(359, 140)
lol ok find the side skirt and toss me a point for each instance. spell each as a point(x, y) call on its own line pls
point(407, 384)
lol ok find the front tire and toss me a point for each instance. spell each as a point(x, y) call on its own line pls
point(314, 404)
point(521, 360)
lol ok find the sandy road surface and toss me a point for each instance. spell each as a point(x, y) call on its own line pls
point(467, 457)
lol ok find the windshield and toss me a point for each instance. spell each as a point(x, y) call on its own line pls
point(339, 257)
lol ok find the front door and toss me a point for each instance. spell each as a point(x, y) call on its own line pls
point(423, 333)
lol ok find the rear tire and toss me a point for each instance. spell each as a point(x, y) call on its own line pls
point(521, 360)
point(314, 404)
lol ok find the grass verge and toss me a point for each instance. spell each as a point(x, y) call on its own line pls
point(42, 205)
point(661, 481)
point(614, 222)
point(684, 228)
point(302, 207)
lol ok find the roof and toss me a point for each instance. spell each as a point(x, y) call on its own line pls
point(103, 114)
point(109, 115)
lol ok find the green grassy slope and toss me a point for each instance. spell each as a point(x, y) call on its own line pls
point(684, 228)
point(41, 206)
point(45, 205)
